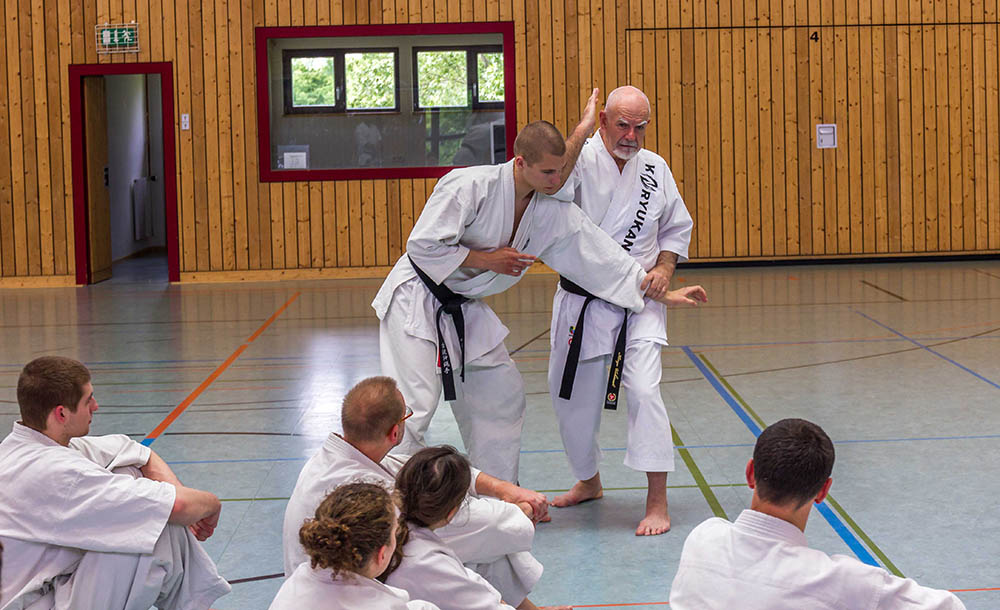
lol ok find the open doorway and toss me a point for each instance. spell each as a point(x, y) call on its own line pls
point(125, 205)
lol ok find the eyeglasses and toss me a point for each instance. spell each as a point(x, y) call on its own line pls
point(409, 413)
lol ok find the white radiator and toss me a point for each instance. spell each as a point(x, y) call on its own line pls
point(142, 209)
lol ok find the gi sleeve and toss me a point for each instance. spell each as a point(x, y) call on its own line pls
point(434, 241)
point(584, 253)
point(674, 231)
point(439, 578)
point(112, 451)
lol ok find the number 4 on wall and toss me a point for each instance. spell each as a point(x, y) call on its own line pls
point(814, 37)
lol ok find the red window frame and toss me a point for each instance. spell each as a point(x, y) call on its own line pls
point(263, 34)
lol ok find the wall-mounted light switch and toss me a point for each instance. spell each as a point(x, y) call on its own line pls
point(185, 122)
point(826, 136)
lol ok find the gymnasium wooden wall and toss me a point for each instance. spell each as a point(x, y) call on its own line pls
point(737, 89)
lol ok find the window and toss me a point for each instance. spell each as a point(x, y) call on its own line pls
point(392, 101)
point(337, 80)
point(469, 77)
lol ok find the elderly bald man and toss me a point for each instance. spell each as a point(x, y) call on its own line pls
point(630, 193)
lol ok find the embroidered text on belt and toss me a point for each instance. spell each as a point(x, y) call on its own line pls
point(451, 304)
point(576, 342)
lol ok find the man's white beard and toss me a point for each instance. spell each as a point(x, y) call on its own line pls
point(625, 154)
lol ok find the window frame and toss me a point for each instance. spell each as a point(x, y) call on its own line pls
point(339, 80)
point(263, 34)
point(472, 53)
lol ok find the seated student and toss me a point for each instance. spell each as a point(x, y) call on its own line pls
point(95, 521)
point(762, 561)
point(349, 542)
point(491, 536)
point(431, 488)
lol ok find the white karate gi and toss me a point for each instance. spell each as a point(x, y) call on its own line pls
point(641, 209)
point(77, 535)
point(430, 570)
point(313, 588)
point(762, 562)
point(492, 537)
point(473, 208)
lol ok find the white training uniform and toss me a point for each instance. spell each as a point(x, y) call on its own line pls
point(77, 535)
point(641, 209)
point(492, 537)
point(473, 209)
point(430, 570)
point(315, 588)
point(762, 562)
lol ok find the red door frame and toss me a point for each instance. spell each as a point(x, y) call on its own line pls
point(80, 217)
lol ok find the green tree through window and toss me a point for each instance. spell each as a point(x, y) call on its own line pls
point(313, 82)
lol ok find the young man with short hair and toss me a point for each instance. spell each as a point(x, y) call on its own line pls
point(95, 521)
point(761, 561)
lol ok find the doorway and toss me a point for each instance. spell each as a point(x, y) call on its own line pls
point(124, 174)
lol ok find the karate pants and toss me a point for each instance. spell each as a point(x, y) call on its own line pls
point(489, 404)
point(649, 447)
point(494, 539)
point(177, 575)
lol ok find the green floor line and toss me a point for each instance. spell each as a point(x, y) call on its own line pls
point(706, 490)
point(874, 548)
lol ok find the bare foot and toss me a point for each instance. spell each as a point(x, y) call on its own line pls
point(582, 491)
point(653, 524)
point(657, 519)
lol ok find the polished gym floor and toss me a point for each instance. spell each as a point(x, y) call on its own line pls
point(235, 385)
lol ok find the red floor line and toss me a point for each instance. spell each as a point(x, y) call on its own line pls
point(169, 419)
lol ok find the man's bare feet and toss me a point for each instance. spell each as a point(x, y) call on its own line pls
point(657, 519)
point(582, 491)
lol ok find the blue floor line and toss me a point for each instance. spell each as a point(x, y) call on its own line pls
point(929, 349)
point(835, 522)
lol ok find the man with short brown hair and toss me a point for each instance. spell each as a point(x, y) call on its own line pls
point(95, 522)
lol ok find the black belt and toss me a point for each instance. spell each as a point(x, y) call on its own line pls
point(451, 304)
point(576, 342)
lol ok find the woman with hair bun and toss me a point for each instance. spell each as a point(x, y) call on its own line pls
point(349, 542)
point(430, 488)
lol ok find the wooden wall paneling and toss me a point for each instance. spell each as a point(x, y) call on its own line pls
point(478, 10)
point(70, 47)
point(185, 143)
point(828, 114)
point(765, 106)
point(103, 16)
point(343, 226)
point(394, 215)
point(233, 58)
point(354, 218)
point(89, 15)
point(597, 45)
point(323, 11)
point(702, 236)
point(328, 201)
point(532, 68)
point(414, 8)
point(302, 218)
point(545, 44)
point(712, 202)
point(289, 213)
point(582, 64)
point(723, 215)
point(251, 171)
point(559, 91)
point(264, 226)
point(753, 142)
point(922, 86)
point(521, 59)
point(740, 151)
point(146, 52)
point(224, 135)
point(678, 131)
point(803, 137)
point(573, 88)
point(964, 224)
point(876, 120)
point(317, 225)
point(7, 251)
point(840, 115)
point(790, 97)
point(213, 200)
point(405, 214)
point(199, 238)
point(855, 178)
point(276, 191)
point(992, 133)
point(57, 197)
point(440, 11)
point(455, 10)
point(505, 11)
point(467, 11)
point(980, 229)
point(156, 35)
point(618, 41)
point(369, 232)
point(296, 11)
point(900, 224)
point(815, 89)
point(311, 16)
point(380, 201)
point(16, 142)
point(30, 141)
point(779, 66)
point(948, 73)
point(936, 135)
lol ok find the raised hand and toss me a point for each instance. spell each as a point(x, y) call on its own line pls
point(689, 296)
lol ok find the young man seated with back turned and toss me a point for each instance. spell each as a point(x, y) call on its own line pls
point(95, 522)
point(761, 561)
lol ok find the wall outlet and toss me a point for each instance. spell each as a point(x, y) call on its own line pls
point(826, 136)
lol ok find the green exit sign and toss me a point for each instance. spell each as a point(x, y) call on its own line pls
point(117, 38)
